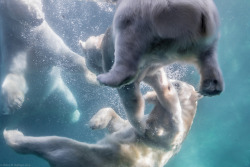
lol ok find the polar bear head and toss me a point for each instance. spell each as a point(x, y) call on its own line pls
point(186, 92)
point(27, 12)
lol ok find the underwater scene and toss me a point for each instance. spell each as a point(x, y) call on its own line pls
point(53, 94)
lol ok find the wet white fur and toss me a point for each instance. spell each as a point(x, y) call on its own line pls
point(30, 50)
point(166, 128)
point(150, 33)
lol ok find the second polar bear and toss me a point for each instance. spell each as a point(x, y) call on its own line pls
point(30, 50)
point(147, 35)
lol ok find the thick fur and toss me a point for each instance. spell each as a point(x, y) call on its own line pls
point(30, 50)
point(150, 33)
point(166, 128)
point(147, 35)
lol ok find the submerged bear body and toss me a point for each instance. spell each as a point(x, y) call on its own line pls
point(151, 33)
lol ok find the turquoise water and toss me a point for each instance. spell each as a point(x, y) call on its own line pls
point(220, 135)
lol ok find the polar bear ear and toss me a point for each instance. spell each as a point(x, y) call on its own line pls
point(27, 12)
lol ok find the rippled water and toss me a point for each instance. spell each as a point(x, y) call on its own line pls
point(220, 135)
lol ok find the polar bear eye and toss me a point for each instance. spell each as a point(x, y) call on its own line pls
point(177, 85)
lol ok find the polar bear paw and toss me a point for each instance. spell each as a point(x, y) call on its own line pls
point(150, 97)
point(13, 92)
point(117, 78)
point(93, 42)
point(91, 78)
point(211, 87)
point(101, 119)
point(13, 138)
point(75, 116)
point(13, 101)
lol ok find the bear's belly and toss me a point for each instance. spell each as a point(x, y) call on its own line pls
point(167, 52)
point(39, 61)
point(143, 155)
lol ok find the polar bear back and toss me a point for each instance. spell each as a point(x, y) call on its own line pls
point(170, 18)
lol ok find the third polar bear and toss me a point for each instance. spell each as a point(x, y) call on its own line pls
point(30, 50)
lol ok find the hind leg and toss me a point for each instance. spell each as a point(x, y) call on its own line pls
point(14, 88)
point(59, 151)
point(167, 98)
point(58, 87)
point(130, 45)
point(211, 77)
point(133, 103)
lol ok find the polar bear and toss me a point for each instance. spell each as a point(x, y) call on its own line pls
point(99, 58)
point(166, 128)
point(30, 50)
point(147, 33)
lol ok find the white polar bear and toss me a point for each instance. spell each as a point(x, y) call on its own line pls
point(99, 58)
point(147, 35)
point(167, 127)
point(150, 34)
point(30, 50)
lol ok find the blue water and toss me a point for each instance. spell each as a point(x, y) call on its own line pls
point(220, 135)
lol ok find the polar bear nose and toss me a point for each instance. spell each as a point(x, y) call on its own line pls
point(211, 87)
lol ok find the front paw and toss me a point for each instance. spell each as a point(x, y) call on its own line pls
point(13, 101)
point(101, 119)
point(98, 122)
point(211, 87)
point(115, 78)
point(93, 42)
point(13, 138)
point(14, 89)
point(91, 78)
